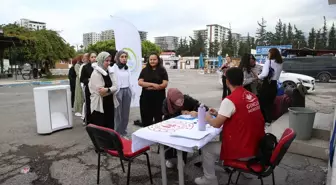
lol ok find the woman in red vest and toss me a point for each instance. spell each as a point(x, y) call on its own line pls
point(243, 127)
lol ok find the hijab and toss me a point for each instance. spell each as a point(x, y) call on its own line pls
point(175, 100)
point(101, 58)
point(117, 60)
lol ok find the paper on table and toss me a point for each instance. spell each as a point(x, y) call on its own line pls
point(191, 134)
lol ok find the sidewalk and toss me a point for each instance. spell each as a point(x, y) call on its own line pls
point(15, 83)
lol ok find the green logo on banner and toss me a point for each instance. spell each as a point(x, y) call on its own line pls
point(133, 62)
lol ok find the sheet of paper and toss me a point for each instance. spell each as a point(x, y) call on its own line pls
point(191, 134)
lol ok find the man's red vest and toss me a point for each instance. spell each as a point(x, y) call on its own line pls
point(243, 131)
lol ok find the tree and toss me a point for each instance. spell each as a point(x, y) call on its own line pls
point(229, 44)
point(324, 35)
point(214, 48)
point(147, 48)
point(183, 48)
point(290, 34)
point(243, 48)
point(277, 35)
point(332, 37)
point(312, 38)
point(101, 46)
point(39, 45)
point(318, 40)
point(261, 33)
point(200, 45)
point(299, 39)
point(284, 38)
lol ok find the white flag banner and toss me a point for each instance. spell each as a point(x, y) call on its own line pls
point(127, 38)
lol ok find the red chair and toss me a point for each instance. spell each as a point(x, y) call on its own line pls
point(108, 141)
point(259, 170)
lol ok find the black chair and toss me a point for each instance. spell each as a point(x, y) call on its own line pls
point(108, 141)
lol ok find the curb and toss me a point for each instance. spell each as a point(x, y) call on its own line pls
point(54, 82)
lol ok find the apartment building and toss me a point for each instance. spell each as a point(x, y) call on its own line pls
point(203, 32)
point(236, 36)
point(107, 35)
point(167, 43)
point(216, 32)
point(244, 38)
point(33, 25)
point(91, 38)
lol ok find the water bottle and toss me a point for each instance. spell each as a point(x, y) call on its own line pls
point(201, 118)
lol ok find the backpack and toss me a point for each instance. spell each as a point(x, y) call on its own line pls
point(266, 147)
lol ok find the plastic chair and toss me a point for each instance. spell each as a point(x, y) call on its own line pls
point(259, 170)
point(108, 141)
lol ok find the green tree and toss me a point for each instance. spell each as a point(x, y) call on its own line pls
point(324, 35)
point(101, 46)
point(312, 38)
point(243, 48)
point(290, 34)
point(147, 48)
point(261, 33)
point(229, 44)
point(200, 45)
point(278, 34)
point(318, 40)
point(214, 48)
point(332, 37)
point(299, 39)
point(284, 35)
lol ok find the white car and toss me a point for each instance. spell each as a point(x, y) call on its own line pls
point(290, 80)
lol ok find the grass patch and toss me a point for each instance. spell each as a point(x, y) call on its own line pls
point(54, 77)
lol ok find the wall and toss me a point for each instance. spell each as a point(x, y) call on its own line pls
point(59, 71)
point(331, 177)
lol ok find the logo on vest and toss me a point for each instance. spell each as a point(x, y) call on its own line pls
point(252, 102)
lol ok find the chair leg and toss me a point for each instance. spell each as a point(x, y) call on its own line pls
point(262, 181)
point(229, 181)
point(238, 178)
point(98, 168)
point(149, 169)
point(122, 165)
point(129, 171)
point(273, 179)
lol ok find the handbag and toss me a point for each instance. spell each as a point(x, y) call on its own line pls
point(270, 72)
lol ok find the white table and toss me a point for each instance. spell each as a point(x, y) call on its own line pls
point(161, 133)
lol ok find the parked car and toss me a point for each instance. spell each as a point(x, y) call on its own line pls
point(290, 80)
point(322, 68)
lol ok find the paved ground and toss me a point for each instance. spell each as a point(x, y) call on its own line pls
point(67, 157)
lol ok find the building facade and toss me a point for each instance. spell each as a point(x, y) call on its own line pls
point(91, 38)
point(32, 25)
point(216, 32)
point(107, 35)
point(204, 34)
point(244, 38)
point(236, 36)
point(167, 43)
point(143, 35)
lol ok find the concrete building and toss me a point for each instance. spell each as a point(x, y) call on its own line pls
point(216, 32)
point(33, 25)
point(204, 34)
point(107, 35)
point(167, 43)
point(244, 38)
point(90, 38)
point(143, 35)
point(236, 36)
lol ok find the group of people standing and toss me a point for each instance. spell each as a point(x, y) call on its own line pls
point(260, 80)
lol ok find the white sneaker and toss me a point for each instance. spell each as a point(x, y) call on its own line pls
point(169, 164)
point(78, 114)
point(205, 181)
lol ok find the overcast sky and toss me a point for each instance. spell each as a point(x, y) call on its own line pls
point(166, 17)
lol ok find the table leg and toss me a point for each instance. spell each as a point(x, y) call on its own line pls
point(163, 165)
point(180, 166)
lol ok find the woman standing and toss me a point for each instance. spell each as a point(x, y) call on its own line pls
point(153, 79)
point(225, 66)
point(79, 100)
point(270, 75)
point(250, 78)
point(85, 78)
point(103, 86)
point(124, 93)
point(72, 79)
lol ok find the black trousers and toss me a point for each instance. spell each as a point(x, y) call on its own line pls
point(88, 105)
point(266, 98)
point(226, 90)
point(151, 106)
point(72, 89)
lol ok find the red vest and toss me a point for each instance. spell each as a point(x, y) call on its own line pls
point(243, 131)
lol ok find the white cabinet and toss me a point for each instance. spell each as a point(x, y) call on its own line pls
point(52, 108)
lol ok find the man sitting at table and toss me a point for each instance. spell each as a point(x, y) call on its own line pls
point(243, 128)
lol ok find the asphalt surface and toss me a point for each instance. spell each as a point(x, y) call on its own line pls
point(67, 157)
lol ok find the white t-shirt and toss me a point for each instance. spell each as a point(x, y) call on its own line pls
point(227, 108)
point(277, 70)
point(123, 76)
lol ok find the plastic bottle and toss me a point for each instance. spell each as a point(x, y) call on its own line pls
point(201, 118)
